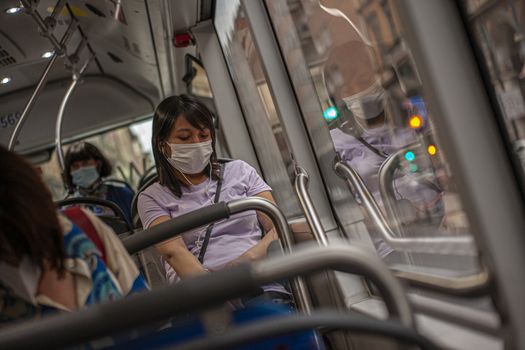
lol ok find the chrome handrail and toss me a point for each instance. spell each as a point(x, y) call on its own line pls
point(285, 235)
point(270, 209)
point(40, 86)
point(60, 116)
point(469, 285)
point(193, 295)
point(386, 174)
point(458, 245)
point(30, 103)
point(345, 258)
point(220, 211)
point(301, 188)
point(386, 179)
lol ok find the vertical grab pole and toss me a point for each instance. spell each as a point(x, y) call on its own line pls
point(59, 51)
point(60, 115)
point(301, 188)
point(60, 118)
point(299, 287)
point(29, 106)
point(349, 174)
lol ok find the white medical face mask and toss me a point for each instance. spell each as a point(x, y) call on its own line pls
point(368, 103)
point(22, 279)
point(85, 176)
point(190, 158)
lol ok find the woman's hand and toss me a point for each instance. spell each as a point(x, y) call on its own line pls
point(257, 252)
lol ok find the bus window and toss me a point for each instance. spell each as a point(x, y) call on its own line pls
point(197, 85)
point(256, 100)
point(128, 149)
point(196, 78)
point(499, 32)
point(350, 66)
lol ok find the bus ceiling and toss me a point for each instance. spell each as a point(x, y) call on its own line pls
point(101, 103)
point(135, 64)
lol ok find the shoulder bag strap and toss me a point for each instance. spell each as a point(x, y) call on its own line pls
point(210, 226)
point(424, 182)
point(372, 148)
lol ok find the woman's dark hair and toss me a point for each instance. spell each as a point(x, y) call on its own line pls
point(28, 218)
point(84, 151)
point(166, 114)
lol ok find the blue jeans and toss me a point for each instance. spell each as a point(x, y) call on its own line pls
point(270, 297)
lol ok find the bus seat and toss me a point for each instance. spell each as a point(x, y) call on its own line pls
point(151, 172)
point(117, 182)
point(117, 221)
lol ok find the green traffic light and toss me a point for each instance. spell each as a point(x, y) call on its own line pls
point(331, 113)
point(410, 156)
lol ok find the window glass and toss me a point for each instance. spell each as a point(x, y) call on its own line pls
point(256, 101)
point(199, 84)
point(363, 82)
point(128, 149)
point(499, 30)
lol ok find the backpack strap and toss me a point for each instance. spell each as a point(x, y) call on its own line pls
point(79, 218)
point(210, 226)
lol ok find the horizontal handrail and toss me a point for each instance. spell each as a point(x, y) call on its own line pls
point(193, 295)
point(345, 258)
point(468, 286)
point(483, 321)
point(176, 226)
point(457, 245)
point(207, 215)
point(216, 212)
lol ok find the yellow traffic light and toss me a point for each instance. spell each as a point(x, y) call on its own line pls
point(432, 150)
point(415, 121)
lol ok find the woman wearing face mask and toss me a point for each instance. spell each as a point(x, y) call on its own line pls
point(85, 167)
point(47, 264)
point(189, 178)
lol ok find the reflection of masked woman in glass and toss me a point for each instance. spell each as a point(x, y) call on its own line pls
point(363, 135)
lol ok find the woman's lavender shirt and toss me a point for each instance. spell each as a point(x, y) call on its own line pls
point(229, 238)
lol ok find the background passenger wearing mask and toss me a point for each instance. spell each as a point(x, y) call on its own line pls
point(86, 167)
point(48, 264)
point(183, 144)
point(366, 137)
